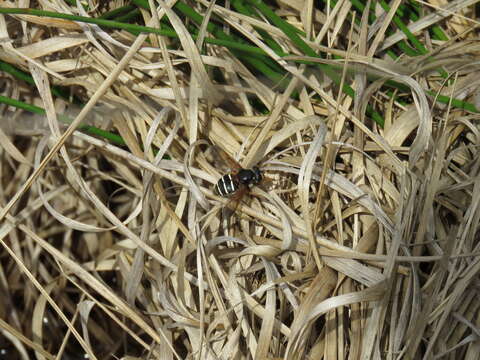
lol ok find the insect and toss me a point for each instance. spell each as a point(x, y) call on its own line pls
point(238, 181)
point(241, 179)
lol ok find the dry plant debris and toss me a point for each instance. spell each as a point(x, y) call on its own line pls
point(362, 242)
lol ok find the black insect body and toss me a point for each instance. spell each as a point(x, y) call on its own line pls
point(227, 185)
point(250, 177)
point(243, 179)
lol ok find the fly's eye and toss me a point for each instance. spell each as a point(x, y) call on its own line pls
point(257, 175)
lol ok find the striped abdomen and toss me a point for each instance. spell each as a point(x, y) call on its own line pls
point(227, 185)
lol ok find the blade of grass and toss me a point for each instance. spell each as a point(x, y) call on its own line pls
point(21, 75)
point(215, 30)
point(459, 104)
point(133, 28)
point(129, 16)
point(257, 60)
point(403, 46)
point(86, 128)
point(411, 10)
point(307, 50)
point(115, 13)
point(413, 39)
point(249, 52)
point(246, 9)
point(404, 28)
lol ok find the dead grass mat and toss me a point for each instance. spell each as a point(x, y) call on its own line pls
point(363, 243)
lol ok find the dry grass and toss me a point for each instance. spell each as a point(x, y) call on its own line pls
point(364, 243)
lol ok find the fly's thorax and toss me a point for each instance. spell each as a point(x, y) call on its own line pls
point(249, 177)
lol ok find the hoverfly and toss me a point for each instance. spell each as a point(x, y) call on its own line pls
point(238, 181)
point(230, 183)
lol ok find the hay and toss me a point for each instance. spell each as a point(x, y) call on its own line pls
point(361, 243)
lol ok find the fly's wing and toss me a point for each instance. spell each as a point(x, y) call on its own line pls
point(266, 182)
point(226, 159)
point(237, 197)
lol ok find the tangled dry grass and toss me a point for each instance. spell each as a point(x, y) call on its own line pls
point(363, 243)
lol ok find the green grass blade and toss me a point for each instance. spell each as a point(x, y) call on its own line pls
point(113, 138)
